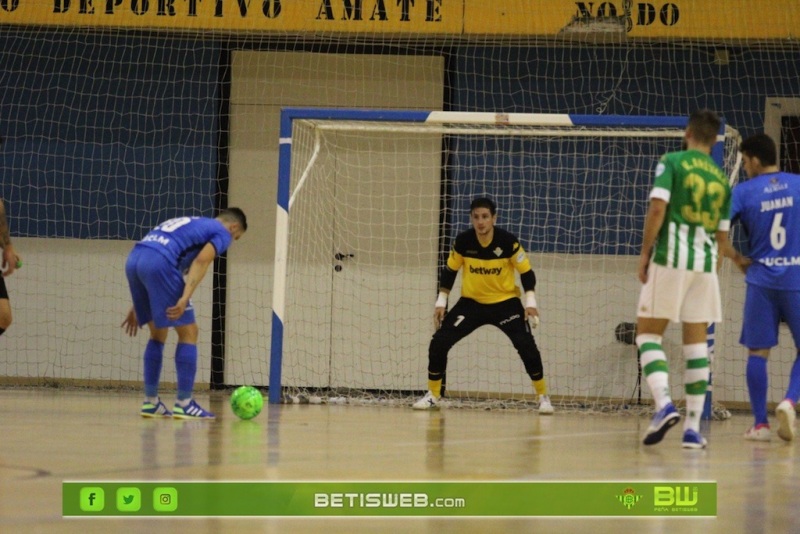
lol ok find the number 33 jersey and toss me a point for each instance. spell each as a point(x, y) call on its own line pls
point(699, 204)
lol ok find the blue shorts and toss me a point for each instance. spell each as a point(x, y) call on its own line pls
point(155, 285)
point(764, 309)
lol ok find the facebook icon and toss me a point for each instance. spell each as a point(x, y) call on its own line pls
point(92, 499)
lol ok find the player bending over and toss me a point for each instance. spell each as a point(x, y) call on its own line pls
point(162, 299)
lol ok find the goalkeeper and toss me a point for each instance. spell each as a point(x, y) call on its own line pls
point(489, 295)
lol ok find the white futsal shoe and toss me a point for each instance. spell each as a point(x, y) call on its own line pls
point(545, 408)
point(428, 402)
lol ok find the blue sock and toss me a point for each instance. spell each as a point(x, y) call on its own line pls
point(186, 368)
point(153, 356)
point(793, 392)
point(757, 386)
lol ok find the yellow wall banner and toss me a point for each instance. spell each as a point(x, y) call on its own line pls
point(678, 19)
point(273, 16)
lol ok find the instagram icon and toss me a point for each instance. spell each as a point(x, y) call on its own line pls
point(165, 499)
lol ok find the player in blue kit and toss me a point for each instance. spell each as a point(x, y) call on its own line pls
point(768, 206)
point(163, 270)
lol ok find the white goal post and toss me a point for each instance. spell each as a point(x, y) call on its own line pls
point(369, 202)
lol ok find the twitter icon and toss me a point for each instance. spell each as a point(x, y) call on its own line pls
point(129, 499)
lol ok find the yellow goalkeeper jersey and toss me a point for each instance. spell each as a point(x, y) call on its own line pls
point(488, 275)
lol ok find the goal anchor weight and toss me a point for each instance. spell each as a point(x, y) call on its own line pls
point(626, 334)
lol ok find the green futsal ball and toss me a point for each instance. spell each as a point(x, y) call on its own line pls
point(247, 402)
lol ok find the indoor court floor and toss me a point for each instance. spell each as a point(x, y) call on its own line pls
point(55, 435)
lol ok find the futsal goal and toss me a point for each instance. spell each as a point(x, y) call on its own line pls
point(369, 202)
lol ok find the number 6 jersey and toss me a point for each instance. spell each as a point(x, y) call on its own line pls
point(767, 206)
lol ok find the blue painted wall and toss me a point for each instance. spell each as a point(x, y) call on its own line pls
point(107, 134)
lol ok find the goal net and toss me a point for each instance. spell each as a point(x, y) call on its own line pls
point(369, 204)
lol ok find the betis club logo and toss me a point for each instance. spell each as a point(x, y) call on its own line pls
point(628, 498)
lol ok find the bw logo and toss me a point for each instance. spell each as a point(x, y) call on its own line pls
point(628, 498)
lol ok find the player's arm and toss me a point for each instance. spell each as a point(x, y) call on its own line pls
point(10, 257)
point(528, 279)
point(656, 213)
point(197, 270)
point(727, 250)
point(446, 280)
point(660, 197)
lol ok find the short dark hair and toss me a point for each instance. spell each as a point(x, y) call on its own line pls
point(234, 214)
point(483, 202)
point(705, 125)
point(760, 146)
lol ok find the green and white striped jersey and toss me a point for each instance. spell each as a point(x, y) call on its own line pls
point(699, 204)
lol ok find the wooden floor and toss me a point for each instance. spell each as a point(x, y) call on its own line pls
point(51, 435)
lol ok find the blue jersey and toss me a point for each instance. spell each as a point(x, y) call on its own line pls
point(768, 207)
point(182, 238)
